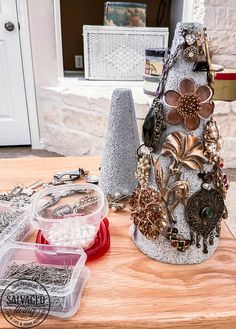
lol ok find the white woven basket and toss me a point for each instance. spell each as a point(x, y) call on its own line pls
point(118, 53)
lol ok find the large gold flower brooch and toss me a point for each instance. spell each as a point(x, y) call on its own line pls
point(189, 104)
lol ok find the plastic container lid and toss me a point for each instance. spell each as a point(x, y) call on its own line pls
point(96, 213)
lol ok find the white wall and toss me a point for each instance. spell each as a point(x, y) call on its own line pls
point(220, 20)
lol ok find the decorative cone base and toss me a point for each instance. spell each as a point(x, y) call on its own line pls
point(120, 156)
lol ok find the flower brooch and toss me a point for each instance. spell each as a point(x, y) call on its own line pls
point(148, 212)
point(189, 104)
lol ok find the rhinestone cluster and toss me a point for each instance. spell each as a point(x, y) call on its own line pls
point(177, 240)
point(147, 212)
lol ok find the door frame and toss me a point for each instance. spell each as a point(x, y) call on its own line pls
point(28, 72)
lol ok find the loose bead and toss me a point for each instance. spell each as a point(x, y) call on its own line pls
point(117, 195)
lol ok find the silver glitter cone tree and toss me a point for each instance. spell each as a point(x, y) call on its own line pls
point(178, 205)
point(120, 156)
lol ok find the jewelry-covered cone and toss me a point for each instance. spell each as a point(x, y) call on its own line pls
point(182, 161)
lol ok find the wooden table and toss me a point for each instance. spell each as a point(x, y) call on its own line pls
point(129, 290)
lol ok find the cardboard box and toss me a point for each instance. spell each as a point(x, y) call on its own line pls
point(125, 14)
point(225, 85)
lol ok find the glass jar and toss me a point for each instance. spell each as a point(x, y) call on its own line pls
point(154, 61)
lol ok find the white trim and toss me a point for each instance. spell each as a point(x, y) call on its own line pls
point(22, 11)
point(58, 36)
point(187, 10)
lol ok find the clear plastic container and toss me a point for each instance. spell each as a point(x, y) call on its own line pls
point(19, 228)
point(69, 215)
point(64, 299)
point(100, 246)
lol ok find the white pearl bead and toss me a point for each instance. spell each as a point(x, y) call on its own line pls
point(82, 234)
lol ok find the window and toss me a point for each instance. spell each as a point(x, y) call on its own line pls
point(73, 14)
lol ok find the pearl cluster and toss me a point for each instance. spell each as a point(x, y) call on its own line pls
point(143, 170)
point(79, 235)
point(115, 203)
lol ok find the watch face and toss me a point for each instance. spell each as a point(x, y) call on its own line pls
point(190, 39)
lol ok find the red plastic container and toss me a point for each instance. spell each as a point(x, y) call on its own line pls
point(100, 246)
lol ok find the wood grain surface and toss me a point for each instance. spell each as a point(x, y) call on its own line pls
point(129, 290)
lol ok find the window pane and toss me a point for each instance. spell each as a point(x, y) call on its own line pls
point(76, 13)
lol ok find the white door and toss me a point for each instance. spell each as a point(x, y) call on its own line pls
point(14, 124)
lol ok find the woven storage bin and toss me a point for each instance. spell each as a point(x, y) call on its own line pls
point(118, 53)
